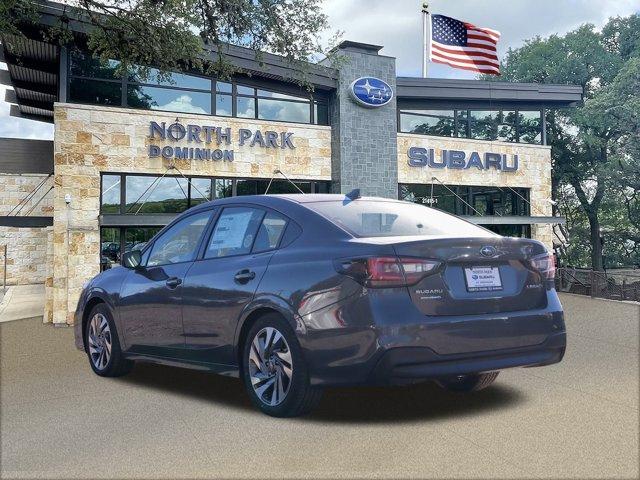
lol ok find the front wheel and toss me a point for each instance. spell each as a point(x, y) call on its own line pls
point(103, 345)
point(468, 383)
point(274, 371)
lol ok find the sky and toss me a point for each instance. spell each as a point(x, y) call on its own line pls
point(397, 25)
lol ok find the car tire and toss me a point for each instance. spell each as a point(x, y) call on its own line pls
point(468, 383)
point(103, 346)
point(274, 371)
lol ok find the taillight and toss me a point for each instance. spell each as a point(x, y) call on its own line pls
point(545, 265)
point(386, 271)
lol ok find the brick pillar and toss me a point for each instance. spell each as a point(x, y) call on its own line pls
point(363, 140)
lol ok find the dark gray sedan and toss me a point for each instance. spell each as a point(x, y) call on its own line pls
point(296, 292)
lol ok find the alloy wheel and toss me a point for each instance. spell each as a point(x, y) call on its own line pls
point(270, 366)
point(99, 338)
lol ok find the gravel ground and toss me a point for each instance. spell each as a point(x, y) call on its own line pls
point(577, 419)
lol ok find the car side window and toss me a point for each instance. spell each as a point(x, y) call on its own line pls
point(235, 232)
point(270, 232)
point(180, 242)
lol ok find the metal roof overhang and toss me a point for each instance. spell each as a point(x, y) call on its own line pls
point(33, 73)
point(440, 92)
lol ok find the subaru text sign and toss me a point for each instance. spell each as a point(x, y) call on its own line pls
point(457, 159)
point(371, 92)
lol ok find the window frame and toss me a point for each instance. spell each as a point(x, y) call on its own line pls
point(465, 126)
point(311, 100)
point(122, 210)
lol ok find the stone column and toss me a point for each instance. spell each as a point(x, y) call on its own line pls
point(363, 140)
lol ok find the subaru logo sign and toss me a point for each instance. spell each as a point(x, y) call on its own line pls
point(371, 92)
point(488, 251)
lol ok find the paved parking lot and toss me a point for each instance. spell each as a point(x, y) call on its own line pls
point(578, 419)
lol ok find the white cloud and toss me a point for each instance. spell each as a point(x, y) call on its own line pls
point(184, 103)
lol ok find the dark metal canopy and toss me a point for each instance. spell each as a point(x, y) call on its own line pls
point(21, 155)
point(469, 93)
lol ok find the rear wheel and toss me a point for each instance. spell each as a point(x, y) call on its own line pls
point(468, 383)
point(274, 371)
point(103, 346)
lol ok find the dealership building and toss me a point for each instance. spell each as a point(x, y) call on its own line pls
point(130, 152)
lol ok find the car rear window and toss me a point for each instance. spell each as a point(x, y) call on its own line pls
point(368, 218)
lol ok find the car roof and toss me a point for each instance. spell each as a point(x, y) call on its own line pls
point(275, 200)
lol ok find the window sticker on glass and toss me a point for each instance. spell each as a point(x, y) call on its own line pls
point(234, 233)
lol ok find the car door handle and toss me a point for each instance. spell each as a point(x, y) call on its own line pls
point(173, 282)
point(244, 276)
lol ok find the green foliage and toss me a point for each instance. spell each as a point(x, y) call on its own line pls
point(596, 146)
point(172, 35)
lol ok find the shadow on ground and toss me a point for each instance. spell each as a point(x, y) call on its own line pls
point(424, 401)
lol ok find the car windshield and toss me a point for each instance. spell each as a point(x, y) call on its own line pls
point(377, 218)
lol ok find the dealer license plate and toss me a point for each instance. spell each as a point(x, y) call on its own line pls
point(483, 279)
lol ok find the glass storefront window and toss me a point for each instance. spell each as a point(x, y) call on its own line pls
point(157, 98)
point(503, 125)
point(459, 199)
point(246, 107)
point(92, 81)
point(321, 113)
point(462, 121)
point(285, 111)
point(269, 94)
point(224, 87)
point(246, 187)
point(530, 127)
point(200, 191)
point(154, 195)
point(136, 238)
point(223, 188)
point(180, 80)
point(110, 200)
point(109, 247)
point(242, 90)
point(150, 194)
point(84, 64)
point(95, 92)
point(428, 122)
point(282, 186)
point(483, 125)
point(224, 105)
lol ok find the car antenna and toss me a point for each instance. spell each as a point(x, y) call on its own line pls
point(353, 194)
point(276, 172)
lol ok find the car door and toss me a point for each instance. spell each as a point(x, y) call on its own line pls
point(220, 284)
point(150, 303)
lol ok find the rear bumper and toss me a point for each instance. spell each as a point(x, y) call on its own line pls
point(404, 365)
point(374, 344)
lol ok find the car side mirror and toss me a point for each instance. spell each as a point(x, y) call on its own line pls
point(131, 259)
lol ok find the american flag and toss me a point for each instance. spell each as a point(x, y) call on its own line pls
point(463, 45)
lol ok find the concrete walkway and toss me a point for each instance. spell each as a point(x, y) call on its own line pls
point(577, 419)
point(22, 301)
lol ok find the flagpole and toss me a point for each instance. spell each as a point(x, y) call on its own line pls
point(426, 37)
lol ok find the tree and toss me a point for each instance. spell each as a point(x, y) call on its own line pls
point(172, 35)
point(594, 146)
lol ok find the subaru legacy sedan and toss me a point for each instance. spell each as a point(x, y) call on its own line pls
point(293, 293)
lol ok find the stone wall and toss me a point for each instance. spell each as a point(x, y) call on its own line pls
point(534, 171)
point(26, 247)
point(364, 139)
point(89, 140)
